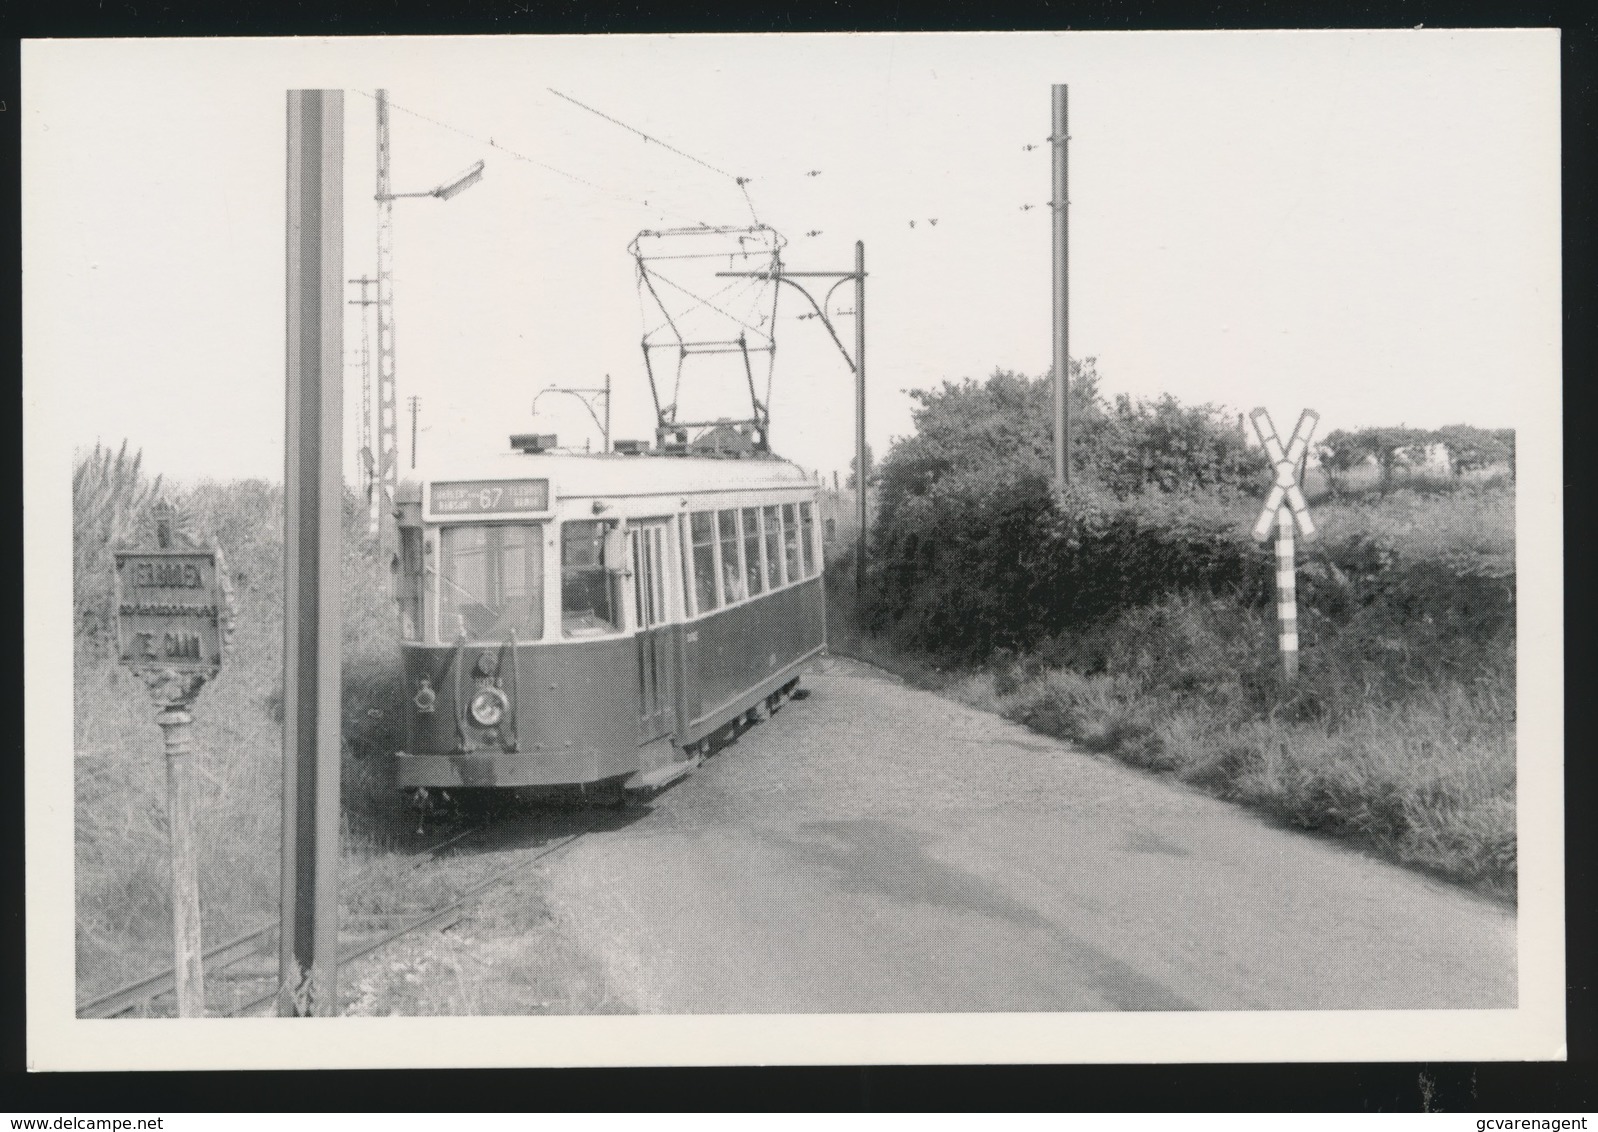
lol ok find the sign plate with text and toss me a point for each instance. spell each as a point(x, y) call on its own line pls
point(488, 497)
point(168, 610)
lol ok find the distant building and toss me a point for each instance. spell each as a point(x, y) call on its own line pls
point(840, 518)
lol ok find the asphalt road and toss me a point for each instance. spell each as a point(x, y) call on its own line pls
point(878, 848)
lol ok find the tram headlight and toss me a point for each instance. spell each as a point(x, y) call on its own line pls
point(488, 707)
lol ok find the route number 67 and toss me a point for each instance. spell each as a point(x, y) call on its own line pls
point(488, 498)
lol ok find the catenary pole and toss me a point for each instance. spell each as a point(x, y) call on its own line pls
point(374, 492)
point(387, 389)
point(314, 348)
point(1060, 203)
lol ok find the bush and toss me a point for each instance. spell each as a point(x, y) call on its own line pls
point(1001, 430)
point(111, 507)
point(971, 568)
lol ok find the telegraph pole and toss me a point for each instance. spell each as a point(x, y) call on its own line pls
point(1060, 203)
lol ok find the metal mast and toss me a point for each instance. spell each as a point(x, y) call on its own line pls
point(387, 396)
point(368, 457)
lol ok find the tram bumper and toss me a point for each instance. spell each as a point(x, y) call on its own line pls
point(498, 768)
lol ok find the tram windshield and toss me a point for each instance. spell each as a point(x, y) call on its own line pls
point(491, 582)
point(588, 602)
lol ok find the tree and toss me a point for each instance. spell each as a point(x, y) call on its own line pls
point(873, 475)
point(1474, 449)
point(1001, 431)
point(1163, 445)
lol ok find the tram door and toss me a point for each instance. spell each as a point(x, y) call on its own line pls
point(655, 692)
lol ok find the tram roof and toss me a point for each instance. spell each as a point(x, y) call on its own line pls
point(617, 475)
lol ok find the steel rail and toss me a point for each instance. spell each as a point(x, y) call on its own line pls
point(446, 913)
point(222, 956)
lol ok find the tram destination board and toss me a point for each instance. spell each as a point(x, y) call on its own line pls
point(168, 610)
point(489, 497)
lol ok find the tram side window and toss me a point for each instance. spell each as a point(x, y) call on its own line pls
point(408, 584)
point(732, 582)
point(754, 570)
point(589, 605)
point(702, 533)
point(773, 549)
point(790, 542)
point(492, 582)
point(807, 539)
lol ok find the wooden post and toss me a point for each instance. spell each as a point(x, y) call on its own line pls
point(174, 610)
point(312, 623)
point(188, 973)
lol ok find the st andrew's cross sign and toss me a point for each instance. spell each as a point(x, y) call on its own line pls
point(1284, 508)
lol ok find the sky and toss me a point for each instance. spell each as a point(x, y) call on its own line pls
point(1362, 223)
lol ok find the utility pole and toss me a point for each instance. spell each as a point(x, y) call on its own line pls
point(1060, 203)
point(416, 403)
point(860, 409)
point(857, 364)
point(368, 456)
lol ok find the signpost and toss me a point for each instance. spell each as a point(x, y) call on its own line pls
point(172, 609)
point(1284, 508)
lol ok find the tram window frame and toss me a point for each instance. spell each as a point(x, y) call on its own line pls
point(807, 535)
point(754, 557)
point(490, 595)
point(609, 582)
point(705, 541)
point(771, 523)
point(732, 575)
point(792, 559)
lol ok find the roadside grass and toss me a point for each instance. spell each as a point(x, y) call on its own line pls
point(122, 879)
point(1398, 736)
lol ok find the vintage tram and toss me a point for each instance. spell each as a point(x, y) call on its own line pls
point(598, 619)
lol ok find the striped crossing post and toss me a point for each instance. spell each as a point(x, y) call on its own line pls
point(1285, 508)
point(1286, 594)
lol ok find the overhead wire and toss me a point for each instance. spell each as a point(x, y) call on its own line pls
point(508, 151)
point(706, 302)
point(644, 274)
point(741, 182)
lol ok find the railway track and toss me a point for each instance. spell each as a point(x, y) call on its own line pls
point(241, 973)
